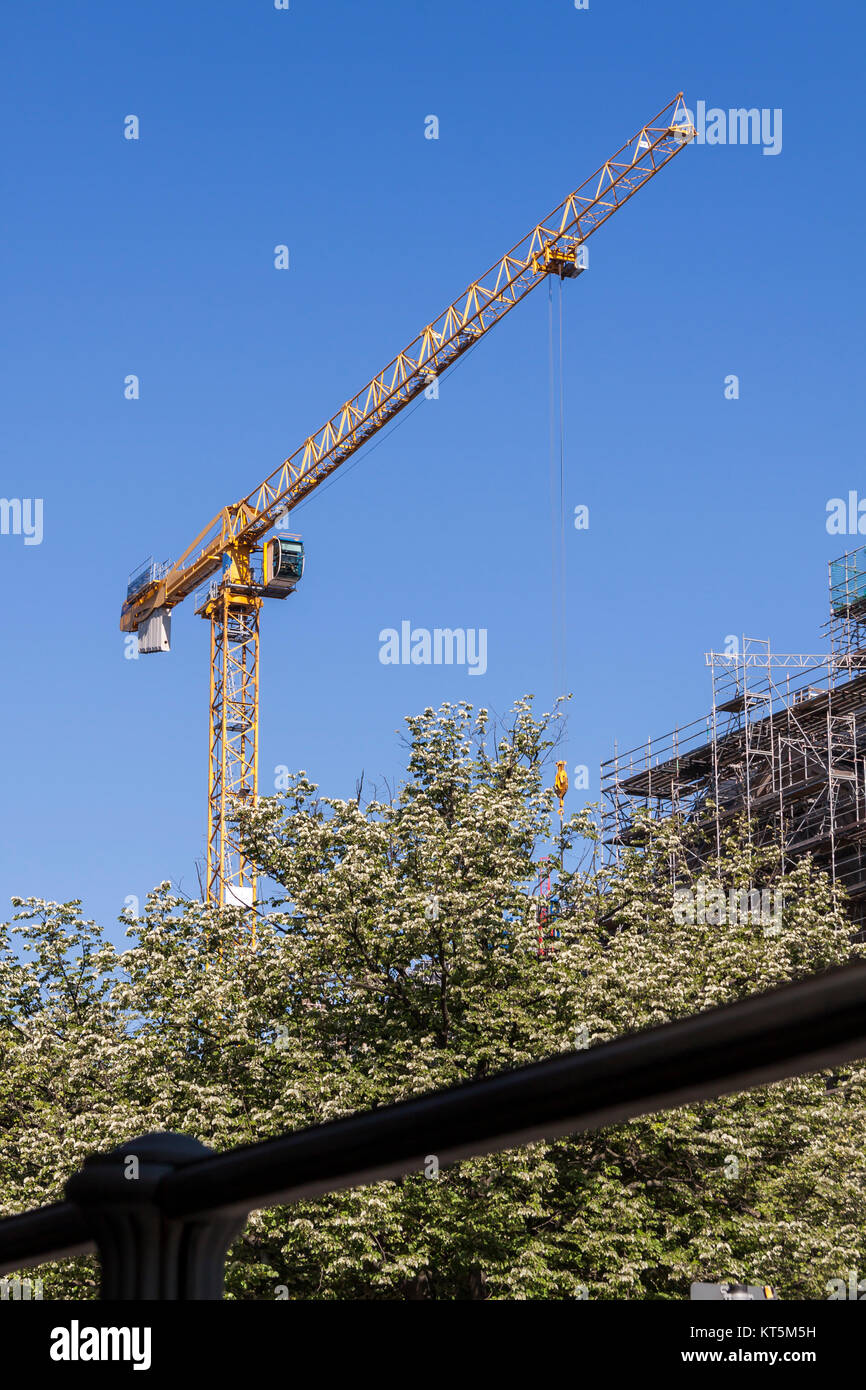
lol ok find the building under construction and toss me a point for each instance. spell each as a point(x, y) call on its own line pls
point(783, 748)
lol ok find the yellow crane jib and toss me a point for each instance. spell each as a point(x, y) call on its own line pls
point(230, 571)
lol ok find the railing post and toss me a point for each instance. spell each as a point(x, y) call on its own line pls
point(145, 1254)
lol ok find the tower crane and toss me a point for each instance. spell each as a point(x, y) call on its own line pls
point(234, 563)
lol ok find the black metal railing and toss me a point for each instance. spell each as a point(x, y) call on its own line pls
point(162, 1210)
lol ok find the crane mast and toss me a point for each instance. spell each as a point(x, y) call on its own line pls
point(232, 568)
point(233, 754)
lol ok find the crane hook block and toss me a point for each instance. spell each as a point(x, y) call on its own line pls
point(283, 565)
point(560, 784)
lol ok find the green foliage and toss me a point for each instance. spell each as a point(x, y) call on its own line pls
point(400, 957)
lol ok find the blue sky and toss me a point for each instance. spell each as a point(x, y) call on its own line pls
point(305, 127)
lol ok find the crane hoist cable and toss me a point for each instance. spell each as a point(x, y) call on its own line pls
point(233, 566)
point(554, 610)
point(562, 589)
point(556, 429)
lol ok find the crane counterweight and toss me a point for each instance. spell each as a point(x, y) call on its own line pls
point(154, 634)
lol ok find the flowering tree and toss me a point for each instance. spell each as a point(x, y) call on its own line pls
point(400, 956)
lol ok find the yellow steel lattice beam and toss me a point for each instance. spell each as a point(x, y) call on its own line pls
point(233, 743)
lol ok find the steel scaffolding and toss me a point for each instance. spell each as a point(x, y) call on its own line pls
point(783, 748)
